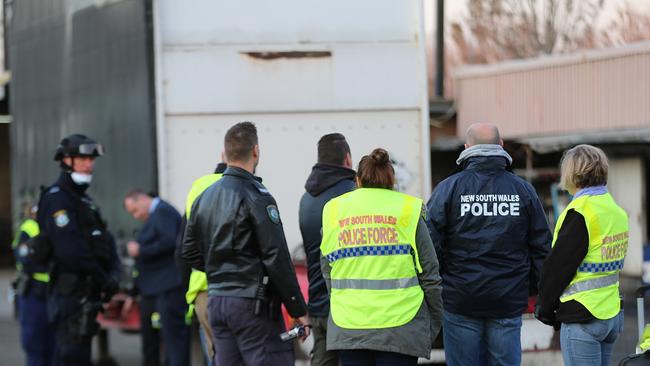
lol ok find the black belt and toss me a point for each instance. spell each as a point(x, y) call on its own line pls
point(73, 284)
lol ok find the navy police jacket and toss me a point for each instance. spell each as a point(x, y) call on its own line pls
point(157, 270)
point(61, 217)
point(491, 237)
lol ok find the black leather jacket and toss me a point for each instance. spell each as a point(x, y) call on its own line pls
point(236, 227)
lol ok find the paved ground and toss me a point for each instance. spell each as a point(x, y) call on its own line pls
point(125, 347)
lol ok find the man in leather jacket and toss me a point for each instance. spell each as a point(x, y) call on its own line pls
point(235, 225)
point(84, 266)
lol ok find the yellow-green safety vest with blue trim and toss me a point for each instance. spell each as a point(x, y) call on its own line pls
point(30, 227)
point(369, 241)
point(595, 284)
point(198, 279)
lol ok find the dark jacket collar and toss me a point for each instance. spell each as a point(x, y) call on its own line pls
point(323, 176)
point(221, 167)
point(486, 163)
point(66, 183)
point(241, 173)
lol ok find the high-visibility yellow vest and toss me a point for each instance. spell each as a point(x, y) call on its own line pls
point(595, 284)
point(369, 241)
point(198, 283)
point(30, 227)
point(198, 279)
point(198, 186)
point(644, 342)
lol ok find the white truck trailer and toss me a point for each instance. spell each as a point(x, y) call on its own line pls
point(299, 69)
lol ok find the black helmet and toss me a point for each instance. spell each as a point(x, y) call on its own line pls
point(78, 145)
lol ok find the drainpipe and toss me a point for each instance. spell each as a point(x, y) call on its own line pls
point(440, 49)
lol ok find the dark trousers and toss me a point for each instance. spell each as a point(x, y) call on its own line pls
point(242, 338)
point(171, 307)
point(71, 349)
point(36, 334)
point(150, 335)
point(375, 358)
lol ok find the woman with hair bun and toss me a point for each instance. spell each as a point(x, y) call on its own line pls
point(382, 271)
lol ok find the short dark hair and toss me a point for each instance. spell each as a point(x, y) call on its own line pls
point(376, 170)
point(332, 149)
point(240, 141)
point(136, 194)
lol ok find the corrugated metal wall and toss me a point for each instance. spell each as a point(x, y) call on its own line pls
point(82, 66)
point(5, 193)
point(595, 90)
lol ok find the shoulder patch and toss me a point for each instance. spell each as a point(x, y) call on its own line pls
point(61, 218)
point(54, 189)
point(274, 214)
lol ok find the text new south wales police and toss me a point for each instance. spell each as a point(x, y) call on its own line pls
point(489, 204)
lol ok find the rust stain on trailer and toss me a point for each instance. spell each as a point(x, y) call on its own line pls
point(269, 56)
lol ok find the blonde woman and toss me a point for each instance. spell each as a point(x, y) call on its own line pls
point(579, 283)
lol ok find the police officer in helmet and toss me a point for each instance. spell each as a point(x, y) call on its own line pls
point(83, 261)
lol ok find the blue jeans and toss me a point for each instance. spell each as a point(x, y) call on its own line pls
point(464, 338)
point(204, 346)
point(590, 343)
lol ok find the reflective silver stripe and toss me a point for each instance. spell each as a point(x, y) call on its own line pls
point(590, 284)
point(375, 284)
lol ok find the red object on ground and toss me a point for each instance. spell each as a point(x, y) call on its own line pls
point(532, 301)
point(303, 281)
point(122, 312)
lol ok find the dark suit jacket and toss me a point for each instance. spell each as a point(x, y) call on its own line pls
point(157, 271)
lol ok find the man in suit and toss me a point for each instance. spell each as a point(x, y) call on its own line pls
point(158, 279)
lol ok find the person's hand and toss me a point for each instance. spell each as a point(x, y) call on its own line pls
point(133, 248)
point(548, 319)
point(304, 321)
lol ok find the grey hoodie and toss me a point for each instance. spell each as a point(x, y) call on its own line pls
point(483, 150)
